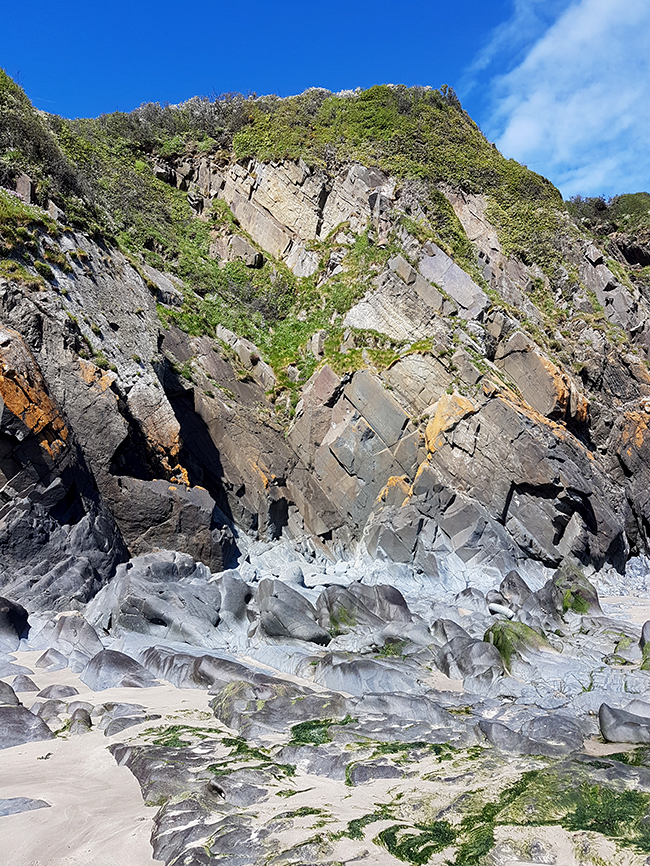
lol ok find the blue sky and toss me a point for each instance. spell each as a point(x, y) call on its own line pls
point(561, 85)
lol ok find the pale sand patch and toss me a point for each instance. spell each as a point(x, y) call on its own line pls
point(628, 608)
point(598, 749)
point(97, 815)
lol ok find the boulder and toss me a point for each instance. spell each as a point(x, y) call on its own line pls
point(470, 659)
point(514, 589)
point(58, 692)
point(155, 515)
point(620, 726)
point(80, 722)
point(645, 635)
point(284, 613)
point(68, 634)
point(16, 805)
point(368, 771)
point(51, 660)
point(49, 710)
point(559, 731)
point(414, 708)
point(18, 726)
point(111, 669)
point(8, 696)
point(515, 641)
point(13, 625)
point(360, 676)
point(190, 672)
point(23, 683)
point(253, 709)
point(342, 609)
point(165, 595)
point(507, 740)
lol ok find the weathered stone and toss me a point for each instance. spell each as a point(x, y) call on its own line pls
point(18, 726)
point(620, 726)
point(23, 683)
point(112, 669)
point(379, 408)
point(8, 696)
point(52, 660)
point(542, 385)
point(16, 805)
point(165, 595)
point(286, 613)
point(437, 267)
point(13, 625)
point(58, 692)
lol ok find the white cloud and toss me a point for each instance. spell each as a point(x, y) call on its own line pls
point(575, 108)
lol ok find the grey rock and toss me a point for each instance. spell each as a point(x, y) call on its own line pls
point(18, 726)
point(23, 683)
point(286, 613)
point(13, 625)
point(645, 634)
point(253, 709)
point(52, 660)
point(368, 771)
point(116, 710)
point(120, 724)
point(165, 595)
point(58, 692)
point(204, 672)
point(80, 721)
point(461, 658)
point(16, 805)
point(514, 589)
point(73, 706)
point(443, 630)
point(49, 710)
point(620, 726)
point(8, 696)
point(507, 740)
point(380, 409)
point(361, 676)
point(68, 634)
point(557, 730)
point(403, 706)
point(437, 267)
point(342, 609)
point(112, 669)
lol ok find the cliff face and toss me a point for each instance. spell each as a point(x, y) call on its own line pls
point(416, 391)
point(323, 407)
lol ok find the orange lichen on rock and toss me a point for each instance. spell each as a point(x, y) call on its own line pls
point(634, 429)
point(24, 393)
point(559, 383)
point(396, 491)
point(449, 410)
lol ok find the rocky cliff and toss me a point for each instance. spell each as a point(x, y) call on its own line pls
point(460, 408)
point(341, 344)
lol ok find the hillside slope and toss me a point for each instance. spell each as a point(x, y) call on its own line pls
point(344, 319)
point(323, 426)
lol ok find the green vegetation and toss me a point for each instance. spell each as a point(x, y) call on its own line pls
point(315, 732)
point(413, 133)
point(393, 649)
point(241, 752)
point(513, 638)
point(179, 736)
point(416, 844)
point(628, 212)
